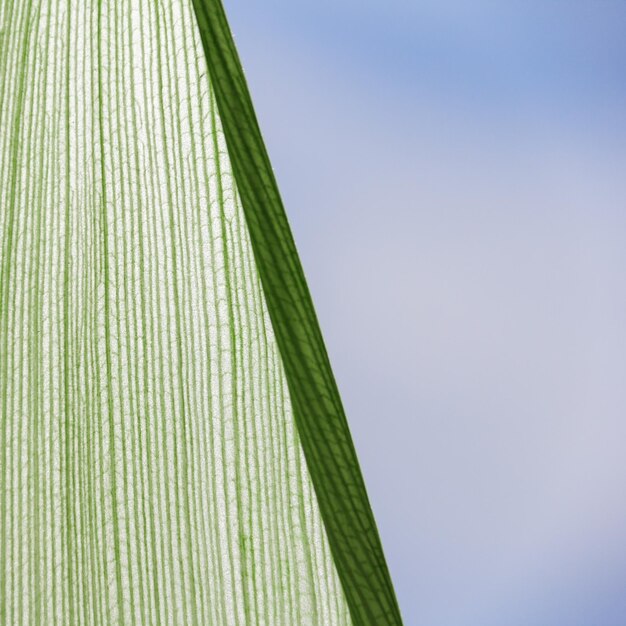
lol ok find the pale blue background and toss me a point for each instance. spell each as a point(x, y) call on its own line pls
point(455, 175)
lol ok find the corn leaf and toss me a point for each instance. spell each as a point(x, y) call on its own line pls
point(173, 449)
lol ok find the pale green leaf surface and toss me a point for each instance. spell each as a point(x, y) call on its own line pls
point(151, 471)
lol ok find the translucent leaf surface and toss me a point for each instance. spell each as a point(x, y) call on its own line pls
point(155, 465)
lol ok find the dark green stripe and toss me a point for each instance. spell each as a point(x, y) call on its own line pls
point(328, 447)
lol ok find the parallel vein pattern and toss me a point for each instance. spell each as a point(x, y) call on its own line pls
point(150, 467)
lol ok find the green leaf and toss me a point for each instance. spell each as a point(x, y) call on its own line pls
point(172, 443)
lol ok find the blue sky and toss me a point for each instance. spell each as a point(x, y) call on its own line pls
point(455, 176)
